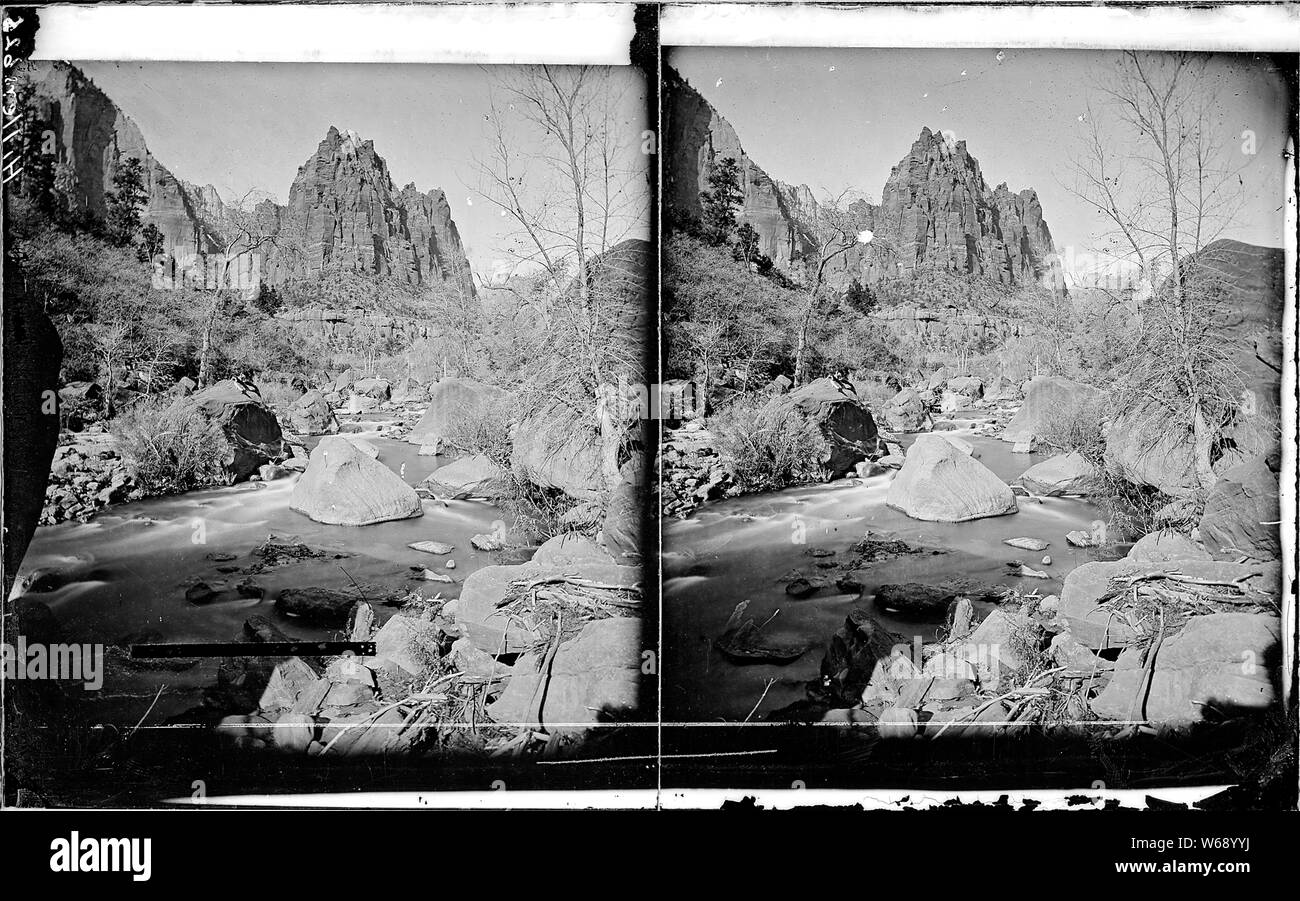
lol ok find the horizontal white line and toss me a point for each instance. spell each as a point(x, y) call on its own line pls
point(556, 33)
point(1223, 28)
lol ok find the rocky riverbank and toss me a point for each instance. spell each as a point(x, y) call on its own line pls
point(88, 474)
point(528, 658)
point(1152, 642)
point(483, 639)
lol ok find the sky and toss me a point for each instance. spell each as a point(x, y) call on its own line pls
point(249, 126)
point(838, 119)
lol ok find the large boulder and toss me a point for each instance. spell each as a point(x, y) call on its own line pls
point(323, 606)
point(559, 448)
point(311, 414)
point(1002, 388)
point(1097, 624)
point(967, 386)
point(408, 389)
point(570, 549)
point(595, 677)
point(409, 642)
point(456, 407)
point(1221, 664)
point(845, 423)
point(344, 486)
point(1242, 514)
point(1148, 447)
point(475, 476)
point(939, 483)
point(1044, 396)
point(249, 426)
point(906, 411)
point(1063, 474)
point(1166, 545)
point(491, 629)
point(379, 389)
point(499, 631)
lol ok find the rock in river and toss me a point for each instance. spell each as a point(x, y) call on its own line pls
point(311, 415)
point(939, 483)
point(906, 412)
point(475, 476)
point(319, 605)
point(344, 486)
point(1063, 474)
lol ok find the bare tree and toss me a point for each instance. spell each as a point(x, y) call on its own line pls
point(830, 231)
point(1154, 170)
point(565, 168)
point(243, 238)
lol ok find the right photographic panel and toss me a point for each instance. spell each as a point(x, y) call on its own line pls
point(974, 478)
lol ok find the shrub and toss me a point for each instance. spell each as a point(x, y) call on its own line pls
point(277, 395)
point(485, 429)
point(874, 395)
point(171, 447)
point(1078, 427)
point(768, 447)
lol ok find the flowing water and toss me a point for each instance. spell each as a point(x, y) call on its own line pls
point(740, 549)
point(124, 573)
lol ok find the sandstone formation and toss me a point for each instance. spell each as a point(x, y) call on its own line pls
point(1199, 668)
point(697, 138)
point(1147, 446)
point(475, 476)
point(936, 210)
point(595, 677)
point(92, 138)
point(345, 211)
point(560, 448)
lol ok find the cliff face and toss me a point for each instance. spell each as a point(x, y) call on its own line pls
point(91, 137)
point(936, 209)
point(696, 137)
point(343, 208)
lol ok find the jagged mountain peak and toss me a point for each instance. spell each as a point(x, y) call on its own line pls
point(936, 209)
point(342, 203)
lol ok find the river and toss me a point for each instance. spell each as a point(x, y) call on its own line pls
point(739, 549)
point(124, 573)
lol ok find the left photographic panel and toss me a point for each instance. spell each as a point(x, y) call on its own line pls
point(320, 474)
